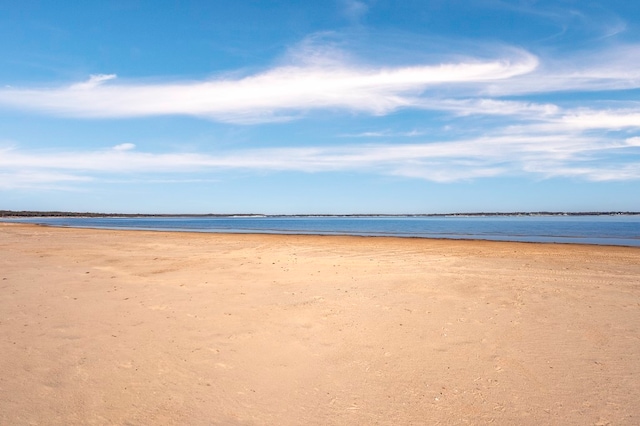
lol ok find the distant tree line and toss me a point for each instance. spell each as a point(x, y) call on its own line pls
point(28, 213)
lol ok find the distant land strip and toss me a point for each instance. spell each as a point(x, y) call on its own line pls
point(25, 213)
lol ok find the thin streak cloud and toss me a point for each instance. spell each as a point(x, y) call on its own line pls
point(508, 155)
point(605, 68)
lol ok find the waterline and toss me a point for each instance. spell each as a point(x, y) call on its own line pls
point(601, 230)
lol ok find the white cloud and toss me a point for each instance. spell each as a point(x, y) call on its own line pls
point(124, 147)
point(608, 68)
point(316, 74)
point(610, 119)
point(574, 122)
point(543, 155)
point(601, 173)
point(39, 179)
point(268, 95)
point(94, 81)
point(384, 134)
point(487, 106)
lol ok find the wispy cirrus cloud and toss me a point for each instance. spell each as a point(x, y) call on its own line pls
point(384, 134)
point(322, 77)
point(266, 96)
point(615, 67)
point(607, 119)
point(541, 156)
point(531, 119)
point(40, 179)
point(488, 106)
point(576, 121)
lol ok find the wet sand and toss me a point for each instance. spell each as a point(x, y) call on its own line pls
point(132, 327)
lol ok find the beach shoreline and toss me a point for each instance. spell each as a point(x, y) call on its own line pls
point(151, 327)
point(600, 237)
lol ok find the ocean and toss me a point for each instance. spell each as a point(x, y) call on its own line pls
point(621, 230)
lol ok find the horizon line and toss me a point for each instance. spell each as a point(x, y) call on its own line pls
point(54, 213)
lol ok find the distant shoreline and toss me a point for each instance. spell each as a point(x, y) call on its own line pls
point(26, 213)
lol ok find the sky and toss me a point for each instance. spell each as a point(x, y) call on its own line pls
point(328, 107)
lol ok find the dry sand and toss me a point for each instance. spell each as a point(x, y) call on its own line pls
point(132, 327)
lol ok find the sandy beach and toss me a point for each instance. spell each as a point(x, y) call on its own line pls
point(103, 327)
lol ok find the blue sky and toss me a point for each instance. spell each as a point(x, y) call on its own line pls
point(341, 106)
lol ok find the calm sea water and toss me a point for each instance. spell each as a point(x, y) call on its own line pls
point(610, 230)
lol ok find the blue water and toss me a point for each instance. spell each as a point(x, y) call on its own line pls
point(621, 230)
